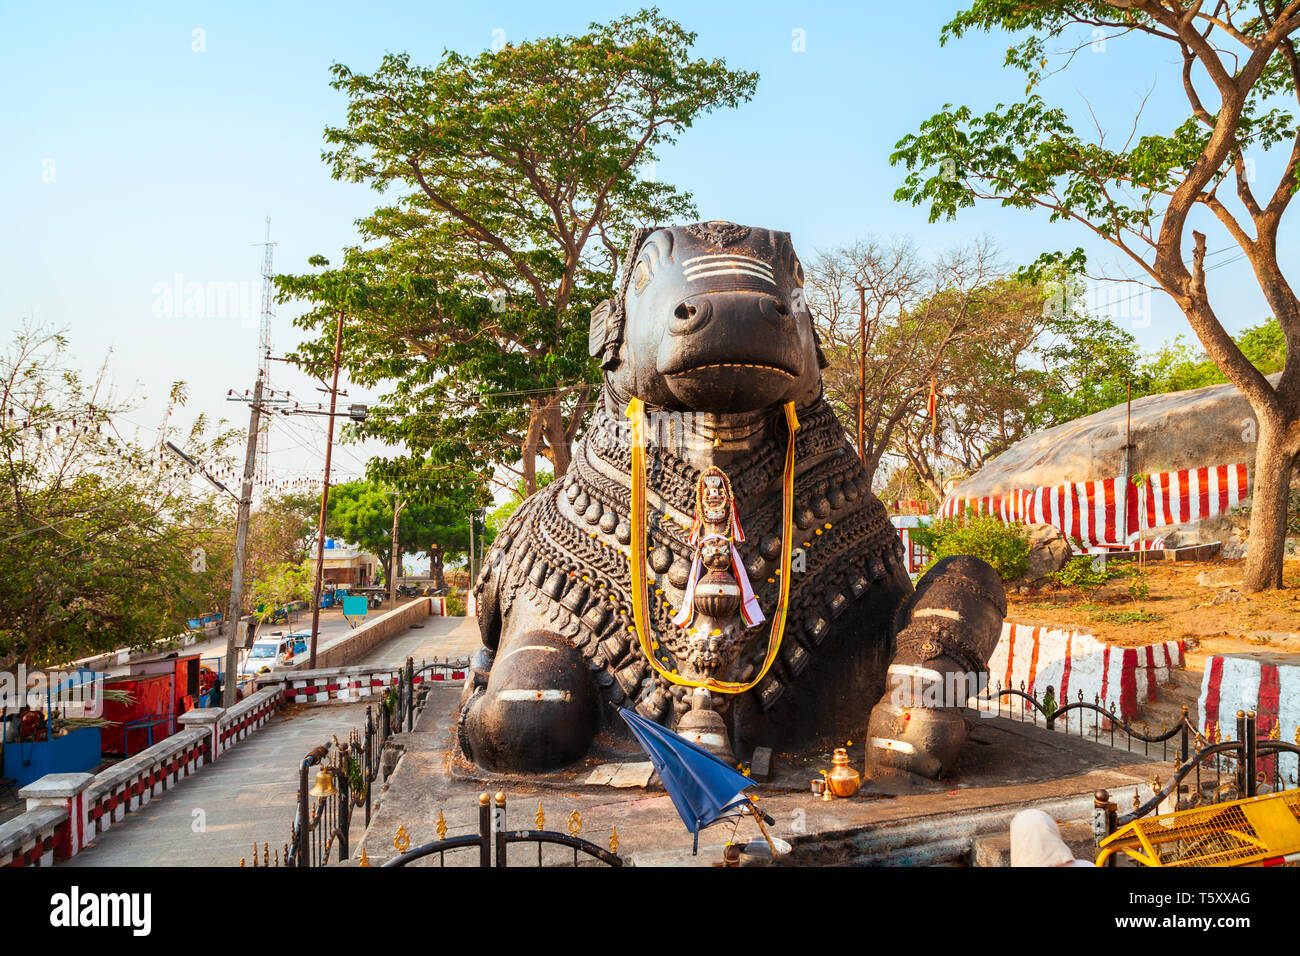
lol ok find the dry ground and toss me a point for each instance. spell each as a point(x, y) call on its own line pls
point(1211, 620)
point(1175, 607)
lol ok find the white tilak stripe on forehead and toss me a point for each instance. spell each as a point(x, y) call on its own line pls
point(727, 256)
point(751, 264)
point(731, 272)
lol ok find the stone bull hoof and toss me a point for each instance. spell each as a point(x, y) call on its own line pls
point(953, 622)
point(536, 709)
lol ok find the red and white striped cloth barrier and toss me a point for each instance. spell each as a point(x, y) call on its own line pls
point(1031, 658)
point(1088, 512)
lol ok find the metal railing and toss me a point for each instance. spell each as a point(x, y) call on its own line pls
point(345, 773)
point(494, 839)
point(1018, 704)
point(344, 782)
point(1253, 765)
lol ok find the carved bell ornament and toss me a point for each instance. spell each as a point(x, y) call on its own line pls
point(718, 587)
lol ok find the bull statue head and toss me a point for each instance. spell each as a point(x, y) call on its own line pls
point(709, 317)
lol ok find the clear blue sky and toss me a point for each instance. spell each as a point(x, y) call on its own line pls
point(130, 159)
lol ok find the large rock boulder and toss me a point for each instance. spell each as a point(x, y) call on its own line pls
point(1214, 425)
point(1049, 550)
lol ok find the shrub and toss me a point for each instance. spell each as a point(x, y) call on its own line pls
point(455, 604)
point(1004, 546)
point(1138, 589)
point(1082, 574)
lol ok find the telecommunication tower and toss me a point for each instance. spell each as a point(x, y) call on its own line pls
point(264, 345)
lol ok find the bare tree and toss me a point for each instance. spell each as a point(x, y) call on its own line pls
point(891, 324)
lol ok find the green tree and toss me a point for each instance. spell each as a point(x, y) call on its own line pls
point(281, 530)
point(280, 585)
point(521, 174)
point(498, 516)
point(1237, 65)
point(105, 544)
point(361, 513)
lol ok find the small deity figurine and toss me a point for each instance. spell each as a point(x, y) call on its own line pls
point(724, 588)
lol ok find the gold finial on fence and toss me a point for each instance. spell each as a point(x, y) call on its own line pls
point(540, 819)
point(484, 799)
point(365, 860)
point(500, 798)
point(613, 840)
point(241, 861)
point(441, 826)
point(575, 823)
point(1275, 732)
point(266, 854)
point(402, 841)
point(255, 855)
point(1136, 802)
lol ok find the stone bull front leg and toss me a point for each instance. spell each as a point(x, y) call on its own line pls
point(950, 626)
point(530, 707)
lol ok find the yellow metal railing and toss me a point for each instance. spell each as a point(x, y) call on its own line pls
point(1254, 831)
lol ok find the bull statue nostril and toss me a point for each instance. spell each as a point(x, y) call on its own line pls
point(690, 316)
point(775, 311)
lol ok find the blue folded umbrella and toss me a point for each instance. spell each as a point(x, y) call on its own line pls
point(702, 787)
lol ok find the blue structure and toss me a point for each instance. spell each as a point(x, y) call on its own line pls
point(703, 788)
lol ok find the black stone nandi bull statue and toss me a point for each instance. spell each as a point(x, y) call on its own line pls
point(711, 334)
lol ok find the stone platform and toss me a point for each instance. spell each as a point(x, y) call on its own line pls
point(895, 819)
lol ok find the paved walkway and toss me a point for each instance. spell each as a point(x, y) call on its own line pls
point(248, 796)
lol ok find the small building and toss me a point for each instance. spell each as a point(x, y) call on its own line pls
point(345, 565)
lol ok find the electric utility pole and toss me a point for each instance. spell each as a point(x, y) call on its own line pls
point(862, 371)
point(325, 493)
point(241, 548)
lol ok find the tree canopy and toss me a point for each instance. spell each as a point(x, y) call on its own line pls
point(361, 513)
point(106, 543)
point(1143, 193)
point(520, 173)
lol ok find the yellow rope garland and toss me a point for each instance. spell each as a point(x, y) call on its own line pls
point(640, 595)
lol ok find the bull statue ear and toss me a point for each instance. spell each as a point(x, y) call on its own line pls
point(600, 328)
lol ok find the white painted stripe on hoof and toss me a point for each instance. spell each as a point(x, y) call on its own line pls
point(899, 746)
point(706, 740)
point(912, 670)
point(532, 647)
point(548, 694)
point(937, 612)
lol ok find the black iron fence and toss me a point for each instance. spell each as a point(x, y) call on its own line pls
point(337, 778)
point(494, 838)
point(1244, 767)
point(1095, 719)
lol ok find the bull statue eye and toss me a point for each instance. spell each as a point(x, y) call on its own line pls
point(640, 275)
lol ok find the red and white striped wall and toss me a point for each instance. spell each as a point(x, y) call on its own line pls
point(1089, 512)
point(1270, 689)
point(1030, 658)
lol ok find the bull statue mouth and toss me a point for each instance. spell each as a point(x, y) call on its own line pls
point(731, 387)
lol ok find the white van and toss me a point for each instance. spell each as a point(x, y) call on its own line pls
point(267, 654)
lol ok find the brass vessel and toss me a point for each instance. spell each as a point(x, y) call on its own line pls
point(843, 780)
